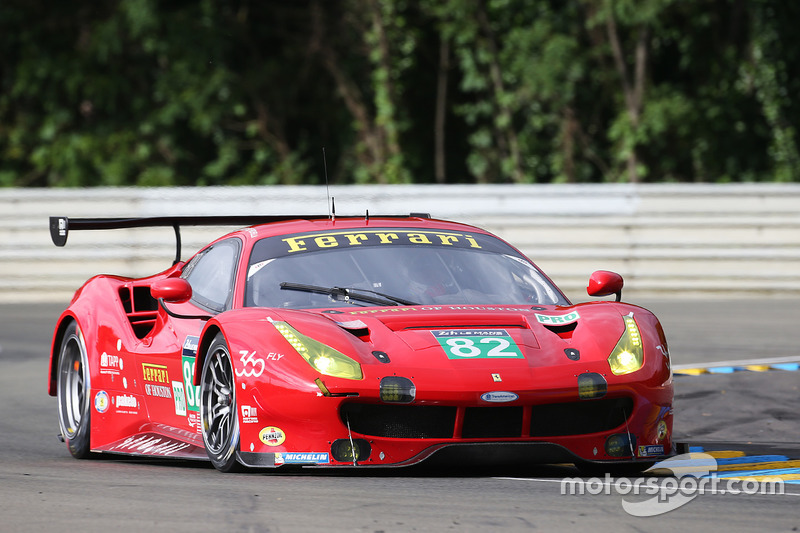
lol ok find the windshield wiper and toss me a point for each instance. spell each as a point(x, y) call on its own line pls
point(344, 293)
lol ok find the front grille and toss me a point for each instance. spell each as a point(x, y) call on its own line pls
point(578, 418)
point(400, 421)
point(492, 422)
point(495, 422)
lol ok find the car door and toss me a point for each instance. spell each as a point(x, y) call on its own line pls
point(166, 363)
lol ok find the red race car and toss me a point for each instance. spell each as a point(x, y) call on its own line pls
point(369, 341)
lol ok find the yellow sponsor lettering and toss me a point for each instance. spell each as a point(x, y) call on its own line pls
point(419, 238)
point(355, 238)
point(295, 244)
point(472, 242)
point(387, 238)
point(326, 241)
point(332, 240)
point(155, 373)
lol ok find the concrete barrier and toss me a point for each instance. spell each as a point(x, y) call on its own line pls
point(738, 240)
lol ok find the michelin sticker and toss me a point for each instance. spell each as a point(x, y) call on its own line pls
point(651, 450)
point(299, 458)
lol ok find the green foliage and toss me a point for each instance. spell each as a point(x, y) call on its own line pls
point(140, 92)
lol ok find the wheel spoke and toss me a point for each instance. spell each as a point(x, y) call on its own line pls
point(222, 427)
point(218, 411)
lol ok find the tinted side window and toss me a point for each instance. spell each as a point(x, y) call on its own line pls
point(211, 275)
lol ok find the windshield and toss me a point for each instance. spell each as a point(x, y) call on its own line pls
point(318, 271)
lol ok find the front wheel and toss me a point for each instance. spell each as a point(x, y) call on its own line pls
point(73, 389)
point(218, 407)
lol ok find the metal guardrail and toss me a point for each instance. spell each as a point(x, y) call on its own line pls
point(739, 240)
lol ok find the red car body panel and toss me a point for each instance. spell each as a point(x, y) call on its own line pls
point(145, 371)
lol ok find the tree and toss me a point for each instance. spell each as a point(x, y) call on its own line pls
point(139, 92)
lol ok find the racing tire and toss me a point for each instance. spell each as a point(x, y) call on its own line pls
point(218, 416)
point(73, 391)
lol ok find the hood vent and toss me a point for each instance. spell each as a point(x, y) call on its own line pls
point(356, 328)
point(562, 330)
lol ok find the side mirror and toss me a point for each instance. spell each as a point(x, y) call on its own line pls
point(603, 283)
point(172, 290)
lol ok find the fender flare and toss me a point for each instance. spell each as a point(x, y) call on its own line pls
point(227, 324)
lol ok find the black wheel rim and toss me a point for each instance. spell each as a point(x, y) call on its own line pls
point(218, 404)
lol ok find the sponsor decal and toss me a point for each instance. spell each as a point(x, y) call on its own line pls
point(253, 366)
point(477, 344)
point(322, 241)
point(499, 396)
point(439, 308)
point(482, 308)
point(255, 268)
point(192, 392)
point(249, 415)
point(155, 373)
point(272, 436)
point(295, 458)
point(661, 430)
point(110, 364)
point(126, 403)
point(101, 401)
point(180, 398)
point(159, 391)
point(558, 319)
point(62, 227)
point(651, 450)
point(126, 400)
point(190, 345)
point(194, 421)
point(150, 445)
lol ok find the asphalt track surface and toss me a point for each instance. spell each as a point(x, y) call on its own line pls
point(42, 488)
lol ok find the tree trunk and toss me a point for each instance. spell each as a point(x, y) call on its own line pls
point(633, 93)
point(441, 110)
point(507, 134)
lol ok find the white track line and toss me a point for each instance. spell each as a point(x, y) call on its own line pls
point(741, 362)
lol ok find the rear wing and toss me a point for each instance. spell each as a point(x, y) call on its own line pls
point(61, 226)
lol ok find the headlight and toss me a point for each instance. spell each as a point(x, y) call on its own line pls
point(321, 357)
point(627, 355)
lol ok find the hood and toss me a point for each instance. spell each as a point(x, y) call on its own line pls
point(512, 335)
point(448, 349)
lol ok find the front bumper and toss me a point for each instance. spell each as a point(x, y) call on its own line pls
point(624, 426)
